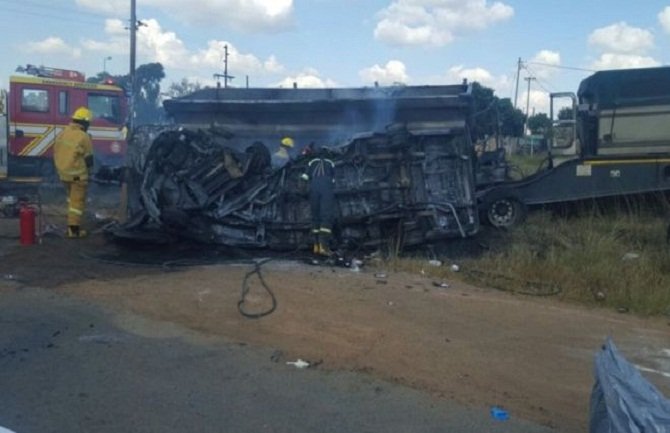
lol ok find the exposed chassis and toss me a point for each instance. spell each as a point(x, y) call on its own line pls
point(399, 188)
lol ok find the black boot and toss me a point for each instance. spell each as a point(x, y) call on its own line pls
point(75, 232)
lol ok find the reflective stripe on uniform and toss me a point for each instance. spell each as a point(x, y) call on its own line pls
point(75, 211)
point(325, 230)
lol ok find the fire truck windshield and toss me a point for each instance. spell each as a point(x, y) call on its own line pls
point(105, 106)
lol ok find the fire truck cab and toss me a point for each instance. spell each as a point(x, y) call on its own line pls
point(38, 107)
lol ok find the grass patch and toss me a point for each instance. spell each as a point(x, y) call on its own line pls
point(618, 261)
point(525, 165)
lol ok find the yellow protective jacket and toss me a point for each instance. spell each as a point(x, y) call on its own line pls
point(71, 149)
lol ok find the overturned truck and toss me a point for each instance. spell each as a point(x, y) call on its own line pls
point(407, 183)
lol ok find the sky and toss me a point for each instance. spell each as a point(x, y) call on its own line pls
point(345, 43)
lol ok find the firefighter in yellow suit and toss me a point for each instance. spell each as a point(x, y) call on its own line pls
point(73, 157)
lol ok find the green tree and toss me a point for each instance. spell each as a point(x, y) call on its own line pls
point(493, 115)
point(539, 123)
point(147, 93)
point(511, 119)
point(183, 88)
point(565, 113)
point(147, 82)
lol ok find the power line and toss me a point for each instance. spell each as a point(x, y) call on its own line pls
point(66, 17)
point(560, 67)
point(539, 80)
point(51, 7)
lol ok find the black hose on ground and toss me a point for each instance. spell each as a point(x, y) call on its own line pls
point(245, 291)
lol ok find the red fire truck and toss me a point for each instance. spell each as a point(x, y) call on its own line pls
point(37, 108)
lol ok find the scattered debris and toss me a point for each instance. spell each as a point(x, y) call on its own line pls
point(381, 275)
point(455, 268)
point(276, 356)
point(441, 284)
point(499, 413)
point(630, 256)
point(299, 363)
point(435, 262)
point(202, 293)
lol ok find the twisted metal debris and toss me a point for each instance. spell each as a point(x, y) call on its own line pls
point(398, 188)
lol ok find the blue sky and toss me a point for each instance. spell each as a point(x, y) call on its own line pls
point(323, 43)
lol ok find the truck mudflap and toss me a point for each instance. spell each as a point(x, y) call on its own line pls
point(401, 187)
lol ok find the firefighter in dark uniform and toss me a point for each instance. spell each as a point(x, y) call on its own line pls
point(320, 174)
point(73, 157)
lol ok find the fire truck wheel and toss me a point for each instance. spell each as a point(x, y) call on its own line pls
point(505, 212)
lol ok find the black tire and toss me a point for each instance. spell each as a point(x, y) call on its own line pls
point(505, 212)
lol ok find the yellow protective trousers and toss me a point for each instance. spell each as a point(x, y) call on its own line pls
point(76, 200)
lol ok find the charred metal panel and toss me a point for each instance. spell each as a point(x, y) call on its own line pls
point(402, 186)
point(326, 116)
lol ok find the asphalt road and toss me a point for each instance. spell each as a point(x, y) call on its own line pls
point(70, 366)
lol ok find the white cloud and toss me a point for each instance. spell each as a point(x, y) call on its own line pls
point(155, 44)
point(623, 46)
point(664, 19)
point(456, 74)
point(53, 46)
point(542, 64)
point(623, 61)
point(309, 78)
point(622, 38)
point(537, 103)
point(393, 72)
point(239, 64)
point(436, 22)
point(117, 42)
point(244, 15)
point(161, 46)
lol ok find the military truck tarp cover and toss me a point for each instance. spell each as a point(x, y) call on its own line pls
point(626, 87)
point(625, 112)
point(408, 182)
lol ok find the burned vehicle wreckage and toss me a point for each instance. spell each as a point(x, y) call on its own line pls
point(407, 183)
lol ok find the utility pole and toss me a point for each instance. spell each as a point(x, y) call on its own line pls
point(104, 64)
point(133, 49)
point(529, 79)
point(225, 75)
point(518, 73)
point(225, 66)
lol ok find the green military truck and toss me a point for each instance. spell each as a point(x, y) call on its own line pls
point(615, 143)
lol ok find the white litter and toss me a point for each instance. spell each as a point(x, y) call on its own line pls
point(299, 363)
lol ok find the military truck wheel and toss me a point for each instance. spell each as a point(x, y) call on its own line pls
point(505, 212)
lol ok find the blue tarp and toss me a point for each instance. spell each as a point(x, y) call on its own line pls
point(622, 401)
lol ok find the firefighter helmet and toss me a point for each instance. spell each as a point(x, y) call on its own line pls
point(287, 142)
point(82, 114)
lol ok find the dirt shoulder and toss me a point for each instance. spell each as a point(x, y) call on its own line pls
point(533, 356)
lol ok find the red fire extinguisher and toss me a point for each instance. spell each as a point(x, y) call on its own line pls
point(27, 223)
